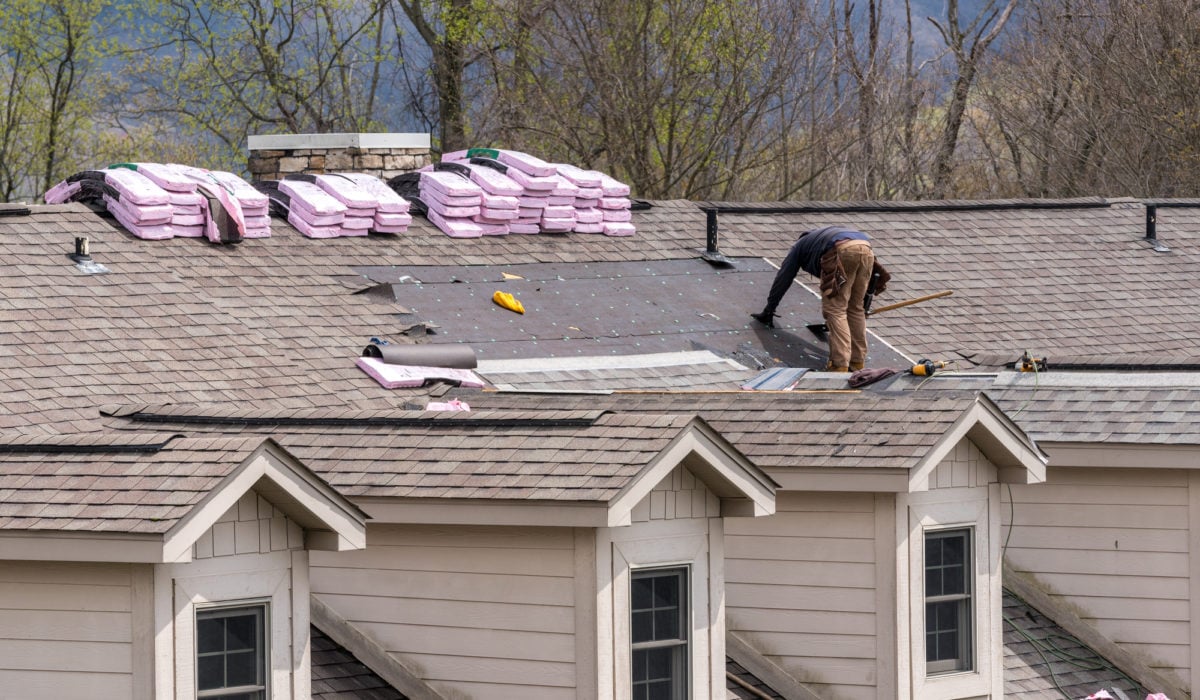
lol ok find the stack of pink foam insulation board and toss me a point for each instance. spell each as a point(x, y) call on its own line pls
point(391, 210)
point(455, 205)
point(553, 198)
point(157, 201)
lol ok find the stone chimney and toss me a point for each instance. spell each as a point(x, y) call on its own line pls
point(383, 155)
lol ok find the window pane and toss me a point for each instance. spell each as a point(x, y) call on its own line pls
point(643, 627)
point(209, 635)
point(241, 669)
point(666, 592)
point(666, 624)
point(210, 672)
point(659, 664)
point(241, 632)
point(640, 593)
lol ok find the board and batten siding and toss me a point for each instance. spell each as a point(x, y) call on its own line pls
point(678, 496)
point(801, 588)
point(252, 525)
point(474, 611)
point(66, 630)
point(1114, 545)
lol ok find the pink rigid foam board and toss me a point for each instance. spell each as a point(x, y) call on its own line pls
point(152, 232)
point(493, 181)
point(383, 218)
point(401, 376)
point(167, 176)
point(386, 199)
point(577, 175)
point(311, 198)
point(525, 163)
point(612, 187)
point(496, 201)
point(347, 192)
point(616, 214)
point(557, 225)
point(617, 228)
point(135, 188)
point(450, 200)
point(313, 231)
point(455, 228)
point(62, 192)
point(251, 199)
point(449, 184)
point(614, 203)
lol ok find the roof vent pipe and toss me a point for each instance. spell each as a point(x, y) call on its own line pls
point(1152, 229)
point(711, 254)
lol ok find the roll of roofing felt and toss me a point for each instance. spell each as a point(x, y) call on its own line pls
point(454, 355)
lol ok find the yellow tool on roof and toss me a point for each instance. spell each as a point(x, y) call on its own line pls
point(509, 302)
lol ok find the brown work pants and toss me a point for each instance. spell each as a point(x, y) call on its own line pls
point(842, 306)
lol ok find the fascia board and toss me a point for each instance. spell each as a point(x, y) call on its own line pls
point(80, 546)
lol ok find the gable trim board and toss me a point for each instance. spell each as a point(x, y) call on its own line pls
point(1017, 458)
point(332, 522)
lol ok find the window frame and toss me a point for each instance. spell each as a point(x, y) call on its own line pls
point(681, 644)
point(964, 659)
point(942, 509)
point(262, 611)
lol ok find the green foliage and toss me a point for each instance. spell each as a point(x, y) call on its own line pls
point(52, 56)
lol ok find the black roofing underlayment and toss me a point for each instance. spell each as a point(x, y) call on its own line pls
point(616, 308)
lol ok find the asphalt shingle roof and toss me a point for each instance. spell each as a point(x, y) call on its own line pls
point(338, 675)
point(140, 484)
point(1043, 661)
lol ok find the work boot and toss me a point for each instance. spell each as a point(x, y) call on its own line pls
point(830, 368)
point(855, 366)
point(767, 318)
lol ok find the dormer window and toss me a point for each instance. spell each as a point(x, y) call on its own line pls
point(231, 653)
point(948, 601)
point(658, 602)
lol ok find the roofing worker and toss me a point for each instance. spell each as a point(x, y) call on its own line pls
point(843, 259)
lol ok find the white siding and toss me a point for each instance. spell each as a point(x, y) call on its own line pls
point(65, 630)
point(1112, 543)
point(800, 587)
point(481, 611)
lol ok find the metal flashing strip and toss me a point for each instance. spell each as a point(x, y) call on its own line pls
point(605, 362)
point(1148, 378)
